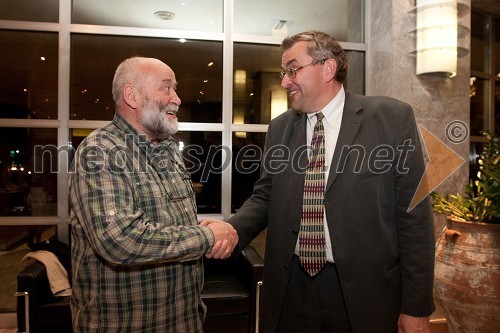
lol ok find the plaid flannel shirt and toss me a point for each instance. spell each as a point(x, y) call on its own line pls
point(136, 246)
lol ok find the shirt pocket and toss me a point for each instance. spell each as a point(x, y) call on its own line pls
point(179, 187)
point(151, 195)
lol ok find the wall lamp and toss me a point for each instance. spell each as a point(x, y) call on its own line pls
point(437, 33)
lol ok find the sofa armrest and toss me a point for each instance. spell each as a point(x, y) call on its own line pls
point(32, 280)
point(255, 263)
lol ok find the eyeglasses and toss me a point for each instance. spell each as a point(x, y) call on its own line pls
point(292, 72)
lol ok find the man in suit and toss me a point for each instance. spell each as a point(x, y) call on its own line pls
point(378, 275)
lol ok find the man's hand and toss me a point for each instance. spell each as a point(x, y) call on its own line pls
point(226, 238)
point(409, 324)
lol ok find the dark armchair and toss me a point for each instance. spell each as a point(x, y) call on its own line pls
point(230, 293)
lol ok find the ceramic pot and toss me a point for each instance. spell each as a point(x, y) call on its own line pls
point(467, 276)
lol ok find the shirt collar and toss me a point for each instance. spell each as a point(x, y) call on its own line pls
point(333, 108)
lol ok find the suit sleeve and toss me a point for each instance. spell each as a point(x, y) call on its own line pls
point(252, 217)
point(415, 227)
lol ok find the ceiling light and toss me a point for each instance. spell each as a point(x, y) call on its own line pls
point(182, 40)
point(164, 15)
point(280, 24)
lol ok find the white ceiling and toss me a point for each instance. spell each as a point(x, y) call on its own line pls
point(255, 17)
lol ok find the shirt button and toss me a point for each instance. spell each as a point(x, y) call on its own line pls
point(111, 213)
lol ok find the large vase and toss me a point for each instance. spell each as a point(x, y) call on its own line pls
point(467, 276)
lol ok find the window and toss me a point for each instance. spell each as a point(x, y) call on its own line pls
point(58, 62)
point(197, 66)
point(25, 10)
point(484, 82)
point(28, 89)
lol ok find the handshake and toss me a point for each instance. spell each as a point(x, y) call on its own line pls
point(226, 238)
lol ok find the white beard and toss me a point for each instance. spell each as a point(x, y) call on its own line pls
point(155, 121)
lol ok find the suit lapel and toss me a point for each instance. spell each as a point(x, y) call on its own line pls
point(296, 176)
point(349, 127)
point(298, 142)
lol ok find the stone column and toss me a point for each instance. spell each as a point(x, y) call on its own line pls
point(437, 101)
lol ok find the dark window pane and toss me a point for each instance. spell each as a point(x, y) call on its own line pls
point(247, 154)
point(497, 108)
point(203, 15)
point(497, 48)
point(341, 18)
point(202, 153)
point(480, 32)
point(479, 105)
point(197, 66)
point(29, 10)
point(28, 88)
point(28, 172)
point(475, 151)
point(257, 93)
point(257, 85)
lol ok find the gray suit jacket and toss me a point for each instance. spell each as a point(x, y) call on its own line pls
point(384, 253)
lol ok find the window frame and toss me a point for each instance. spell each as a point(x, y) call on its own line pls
point(64, 124)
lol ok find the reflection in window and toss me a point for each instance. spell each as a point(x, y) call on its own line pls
point(203, 157)
point(256, 77)
point(479, 42)
point(257, 93)
point(28, 172)
point(248, 149)
point(202, 152)
point(497, 108)
point(197, 66)
point(340, 18)
point(479, 105)
point(497, 48)
point(203, 15)
point(39, 11)
point(28, 89)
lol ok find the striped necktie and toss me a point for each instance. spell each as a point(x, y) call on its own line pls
point(312, 251)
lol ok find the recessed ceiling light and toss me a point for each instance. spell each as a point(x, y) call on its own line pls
point(164, 15)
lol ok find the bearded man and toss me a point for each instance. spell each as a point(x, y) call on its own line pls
point(136, 245)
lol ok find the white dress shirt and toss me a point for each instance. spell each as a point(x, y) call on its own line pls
point(331, 123)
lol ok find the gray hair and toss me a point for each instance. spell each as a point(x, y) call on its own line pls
point(321, 46)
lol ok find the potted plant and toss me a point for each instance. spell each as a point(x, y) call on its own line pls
point(467, 272)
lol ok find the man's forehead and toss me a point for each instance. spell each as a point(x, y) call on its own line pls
point(292, 55)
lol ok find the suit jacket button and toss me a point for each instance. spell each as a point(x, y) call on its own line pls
point(286, 268)
point(295, 232)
